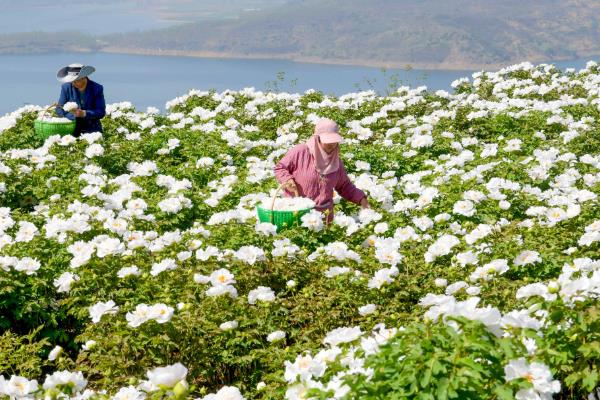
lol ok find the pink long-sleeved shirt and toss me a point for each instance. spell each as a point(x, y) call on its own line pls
point(299, 164)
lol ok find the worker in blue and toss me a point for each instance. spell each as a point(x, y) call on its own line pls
point(89, 95)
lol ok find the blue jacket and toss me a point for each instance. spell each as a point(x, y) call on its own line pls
point(92, 102)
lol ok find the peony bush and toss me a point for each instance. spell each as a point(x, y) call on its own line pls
point(133, 265)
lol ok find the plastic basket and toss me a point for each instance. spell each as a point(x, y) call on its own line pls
point(281, 219)
point(45, 129)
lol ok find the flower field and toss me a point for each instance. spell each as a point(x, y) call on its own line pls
point(132, 264)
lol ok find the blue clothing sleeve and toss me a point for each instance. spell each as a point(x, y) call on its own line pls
point(99, 110)
point(62, 100)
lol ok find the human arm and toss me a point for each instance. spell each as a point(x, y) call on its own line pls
point(285, 168)
point(349, 191)
point(62, 100)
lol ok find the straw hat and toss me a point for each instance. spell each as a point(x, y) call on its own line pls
point(73, 72)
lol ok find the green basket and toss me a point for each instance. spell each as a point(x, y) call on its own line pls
point(45, 129)
point(281, 219)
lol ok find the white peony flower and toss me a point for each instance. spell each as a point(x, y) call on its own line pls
point(99, 309)
point(464, 207)
point(367, 309)
point(129, 393)
point(276, 336)
point(229, 325)
point(61, 378)
point(262, 293)
point(313, 220)
point(538, 374)
point(342, 335)
point(225, 393)
point(18, 387)
point(167, 376)
point(64, 281)
point(70, 106)
point(54, 353)
point(527, 257)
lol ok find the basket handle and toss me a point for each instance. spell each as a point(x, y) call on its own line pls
point(51, 106)
point(273, 201)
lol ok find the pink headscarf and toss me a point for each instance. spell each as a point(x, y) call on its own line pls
point(325, 163)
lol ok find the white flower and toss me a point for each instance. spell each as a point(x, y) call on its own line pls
point(262, 293)
point(26, 232)
point(64, 281)
point(342, 335)
point(276, 336)
point(99, 309)
point(473, 290)
point(70, 106)
point(335, 271)
point(161, 313)
point(225, 393)
point(266, 228)
point(382, 276)
point(467, 258)
point(485, 272)
point(536, 289)
point(527, 257)
point(464, 207)
point(126, 271)
point(313, 220)
point(167, 376)
point(94, 150)
point(367, 309)
point(538, 374)
point(380, 228)
point(229, 325)
point(137, 317)
point(440, 282)
point(441, 247)
point(54, 353)
point(250, 254)
point(288, 204)
point(167, 264)
point(222, 277)
point(304, 367)
point(455, 287)
point(220, 290)
point(60, 378)
point(129, 393)
point(109, 246)
point(27, 265)
point(423, 223)
point(18, 387)
point(88, 345)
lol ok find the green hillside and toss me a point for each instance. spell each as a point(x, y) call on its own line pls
point(428, 33)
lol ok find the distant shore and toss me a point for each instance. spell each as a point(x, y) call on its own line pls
point(316, 60)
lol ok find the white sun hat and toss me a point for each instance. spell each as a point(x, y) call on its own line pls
point(73, 72)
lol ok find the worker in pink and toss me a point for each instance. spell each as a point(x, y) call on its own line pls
point(314, 169)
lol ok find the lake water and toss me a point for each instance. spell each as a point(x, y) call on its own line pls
point(153, 80)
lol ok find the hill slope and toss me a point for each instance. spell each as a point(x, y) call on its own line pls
point(428, 33)
point(436, 33)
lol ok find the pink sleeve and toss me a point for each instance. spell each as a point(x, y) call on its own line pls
point(287, 165)
point(346, 189)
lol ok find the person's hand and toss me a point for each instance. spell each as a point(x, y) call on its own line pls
point(364, 203)
point(290, 186)
point(79, 113)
